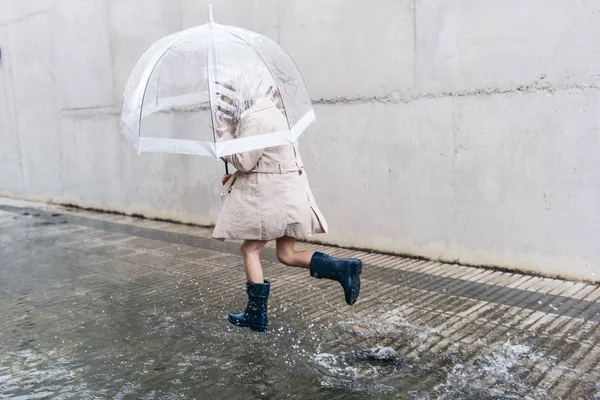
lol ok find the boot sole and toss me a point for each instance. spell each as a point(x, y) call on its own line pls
point(255, 328)
point(356, 269)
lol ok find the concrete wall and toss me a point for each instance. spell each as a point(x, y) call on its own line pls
point(460, 130)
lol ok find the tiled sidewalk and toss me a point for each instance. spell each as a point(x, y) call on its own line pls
point(106, 306)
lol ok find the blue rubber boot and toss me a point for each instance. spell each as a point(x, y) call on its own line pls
point(255, 315)
point(344, 270)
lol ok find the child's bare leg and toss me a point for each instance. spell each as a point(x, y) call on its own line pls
point(251, 250)
point(287, 254)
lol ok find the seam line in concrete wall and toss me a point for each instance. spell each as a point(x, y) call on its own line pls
point(394, 98)
point(14, 104)
point(93, 108)
point(180, 13)
point(22, 18)
point(415, 46)
point(111, 53)
point(279, 22)
point(89, 112)
point(57, 101)
point(455, 128)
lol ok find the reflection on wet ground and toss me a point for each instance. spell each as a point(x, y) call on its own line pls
point(98, 306)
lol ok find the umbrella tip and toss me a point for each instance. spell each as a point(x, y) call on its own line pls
point(210, 14)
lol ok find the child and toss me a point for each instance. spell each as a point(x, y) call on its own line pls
point(270, 199)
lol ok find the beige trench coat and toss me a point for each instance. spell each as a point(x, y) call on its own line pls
point(269, 197)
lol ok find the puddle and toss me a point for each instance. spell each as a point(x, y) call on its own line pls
point(458, 371)
point(182, 356)
point(29, 375)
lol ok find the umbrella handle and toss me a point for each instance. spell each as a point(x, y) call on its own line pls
point(226, 167)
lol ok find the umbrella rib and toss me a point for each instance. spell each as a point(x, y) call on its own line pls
point(150, 77)
point(266, 65)
point(209, 71)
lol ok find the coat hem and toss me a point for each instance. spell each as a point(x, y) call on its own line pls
point(262, 239)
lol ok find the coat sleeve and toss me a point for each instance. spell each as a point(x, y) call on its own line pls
point(245, 162)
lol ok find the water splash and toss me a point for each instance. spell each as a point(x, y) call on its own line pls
point(496, 374)
point(390, 324)
point(408, 365)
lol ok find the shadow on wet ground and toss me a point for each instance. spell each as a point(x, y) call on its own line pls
point(105, 306)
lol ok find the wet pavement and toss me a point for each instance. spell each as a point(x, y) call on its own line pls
point(102, 306)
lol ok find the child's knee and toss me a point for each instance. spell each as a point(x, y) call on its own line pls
point(250, 247)
point(285, 256)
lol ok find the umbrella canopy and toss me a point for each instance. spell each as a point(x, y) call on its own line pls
point(189, 90)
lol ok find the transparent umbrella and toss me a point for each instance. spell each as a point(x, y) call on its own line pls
point(188, 91)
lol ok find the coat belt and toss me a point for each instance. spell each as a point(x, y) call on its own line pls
point(281, 169)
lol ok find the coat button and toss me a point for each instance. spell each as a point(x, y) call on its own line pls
point(300, 172)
